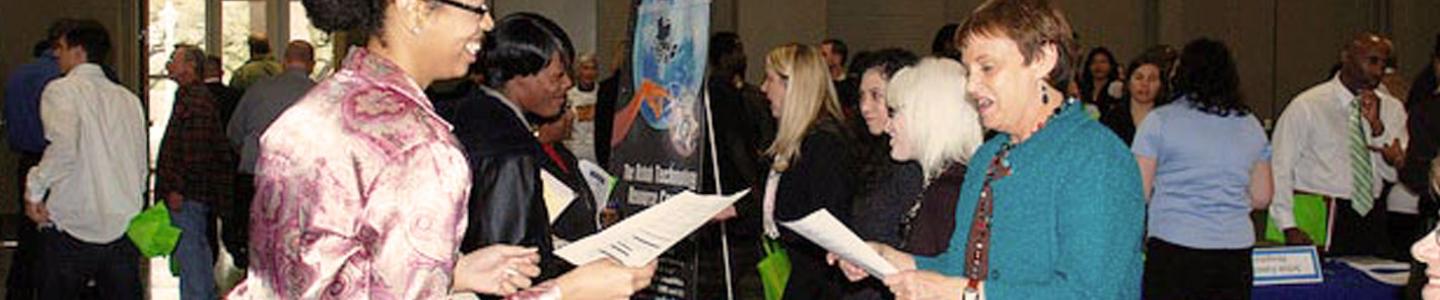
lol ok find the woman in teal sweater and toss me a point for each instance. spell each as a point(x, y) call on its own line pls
point(1057, 195)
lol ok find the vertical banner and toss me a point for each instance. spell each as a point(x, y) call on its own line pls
point(659, 134)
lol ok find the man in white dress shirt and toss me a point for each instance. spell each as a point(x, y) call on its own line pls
point(91, 178)
point(1340, 140)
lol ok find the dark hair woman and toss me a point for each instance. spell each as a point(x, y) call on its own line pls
point(1205, 164)
point(1145, 88)
point(889, 186)
point(1100, 82)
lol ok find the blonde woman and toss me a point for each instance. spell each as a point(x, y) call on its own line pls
point(812, 163)
point(936, 126)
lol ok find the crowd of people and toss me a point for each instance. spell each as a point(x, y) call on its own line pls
point(1001, 165)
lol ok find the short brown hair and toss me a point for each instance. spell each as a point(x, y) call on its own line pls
point(1032, 24)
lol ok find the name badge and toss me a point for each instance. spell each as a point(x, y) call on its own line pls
point(1287, 265)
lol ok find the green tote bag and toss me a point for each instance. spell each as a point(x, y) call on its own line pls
point(774, 269)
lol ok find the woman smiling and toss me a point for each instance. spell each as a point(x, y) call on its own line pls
point(1052, 207)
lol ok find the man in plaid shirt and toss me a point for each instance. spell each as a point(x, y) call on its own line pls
point(194, 172)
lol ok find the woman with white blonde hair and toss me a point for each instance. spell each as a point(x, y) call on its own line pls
point(813, 164)
point(934, 125)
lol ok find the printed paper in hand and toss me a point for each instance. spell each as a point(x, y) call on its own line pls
point(641, 238)
point(823, 229)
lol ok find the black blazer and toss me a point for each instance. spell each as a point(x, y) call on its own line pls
point(506, 204)
point(821, 177)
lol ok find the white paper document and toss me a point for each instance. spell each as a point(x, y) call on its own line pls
point(641, 238)
point(823, 229)
point(557, 196)
point(1395, 273)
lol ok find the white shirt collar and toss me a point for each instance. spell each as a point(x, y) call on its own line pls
point(1338, 89)
point(508, 103)
point(1345, 96)
point(87, 70)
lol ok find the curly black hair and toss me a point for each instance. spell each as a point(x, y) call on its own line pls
point(365, 17)
point(1207, 75)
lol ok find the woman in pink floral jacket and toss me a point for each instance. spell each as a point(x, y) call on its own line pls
point(361, 188)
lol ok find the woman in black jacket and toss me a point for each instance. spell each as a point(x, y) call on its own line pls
point(526, 60)
point(812, 163)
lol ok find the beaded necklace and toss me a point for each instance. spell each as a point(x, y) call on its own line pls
point(977, 252)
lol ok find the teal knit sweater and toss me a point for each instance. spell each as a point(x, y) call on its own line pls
point(1068, 221)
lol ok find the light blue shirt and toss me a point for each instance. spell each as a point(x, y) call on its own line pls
point(1202, 175)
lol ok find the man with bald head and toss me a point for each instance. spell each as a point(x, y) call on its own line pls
point(1340, 141)
point(262, 103)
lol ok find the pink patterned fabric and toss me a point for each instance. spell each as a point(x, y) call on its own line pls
point(360, 192)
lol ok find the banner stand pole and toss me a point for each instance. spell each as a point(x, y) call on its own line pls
point(715, 169)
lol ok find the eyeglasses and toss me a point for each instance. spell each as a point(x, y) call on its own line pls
point(481, 9)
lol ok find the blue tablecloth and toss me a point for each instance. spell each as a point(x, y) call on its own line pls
point(1341, 282)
